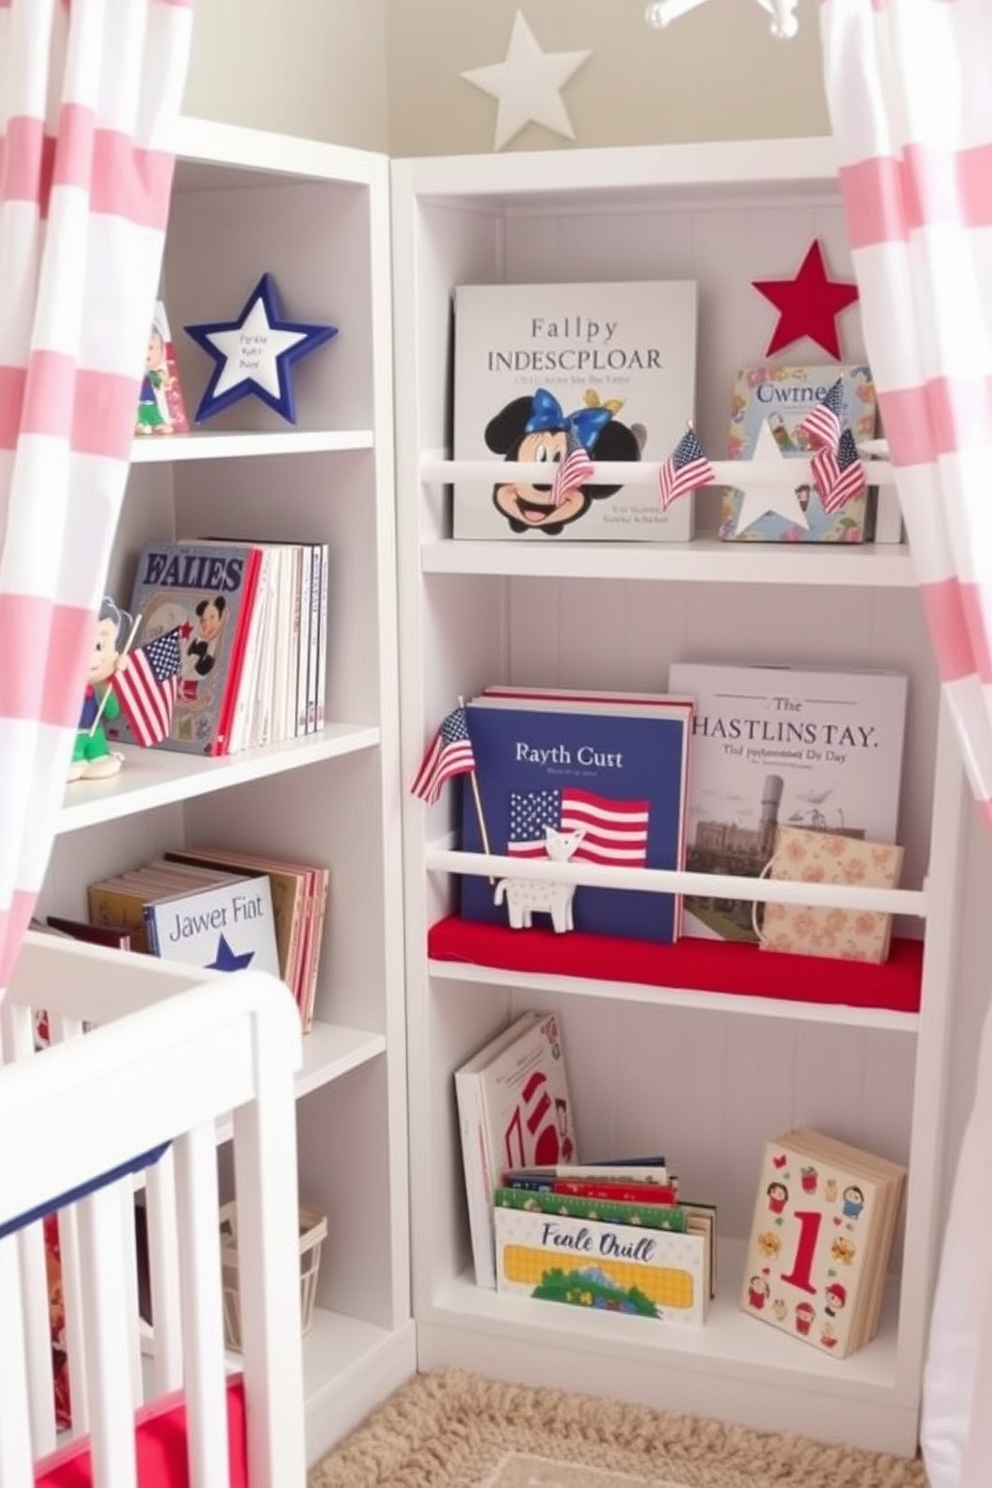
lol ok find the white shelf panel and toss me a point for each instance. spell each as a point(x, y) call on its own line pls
point(699, 1000)
point(217, 445)
point(730, 1341)
point(705, 560)
point(330, 1051)
point(160, 777)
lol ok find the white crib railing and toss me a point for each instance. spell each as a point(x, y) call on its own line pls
point(172, 1051)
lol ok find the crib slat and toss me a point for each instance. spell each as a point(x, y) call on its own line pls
point(102, 1258)
point(197, 1204)
point(35, 1312)
point(163, 1261)
point(16, 1469)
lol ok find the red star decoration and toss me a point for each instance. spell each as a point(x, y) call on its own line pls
point(808, 304)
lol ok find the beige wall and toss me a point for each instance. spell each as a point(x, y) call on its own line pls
point(717, 73)
point(385, 74)
point(308, 67)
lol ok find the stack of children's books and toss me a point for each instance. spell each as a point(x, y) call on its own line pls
point(614, 1236)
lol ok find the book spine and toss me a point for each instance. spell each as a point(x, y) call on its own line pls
point(651, 1216)
point(479, 1177)
point(303, 656)
point(233, 681)
point(325, 559)
point(314, 653)
point(151, 930)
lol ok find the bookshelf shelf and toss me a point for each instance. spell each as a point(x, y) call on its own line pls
point(151, 778)
point(702, 1049)
point(714, 976)
point(703, 561)
point(233, 445)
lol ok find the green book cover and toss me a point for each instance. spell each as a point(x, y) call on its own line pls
point(609, 1211)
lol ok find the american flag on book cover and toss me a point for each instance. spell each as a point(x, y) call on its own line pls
point(614, 833)
point(450, 754)
point(148, 685)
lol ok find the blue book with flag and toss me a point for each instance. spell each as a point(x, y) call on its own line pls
point(576, 777)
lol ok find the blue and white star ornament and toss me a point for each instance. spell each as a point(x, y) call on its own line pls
point(528, 84)
point(779, 496)
point(254, 355)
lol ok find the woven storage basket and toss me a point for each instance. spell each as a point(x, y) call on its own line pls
point(313, 1232)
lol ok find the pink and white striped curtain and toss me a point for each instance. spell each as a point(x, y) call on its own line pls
point(909, 84)
point(89, 94)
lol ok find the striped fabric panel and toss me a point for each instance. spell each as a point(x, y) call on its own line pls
point(916, 177)
point(89, 97)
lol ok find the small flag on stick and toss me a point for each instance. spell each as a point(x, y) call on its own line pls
point(573, 471)
point(685, 470)
point(147, 687)
point(822, 425)
point(839, 476)
point(450, 754)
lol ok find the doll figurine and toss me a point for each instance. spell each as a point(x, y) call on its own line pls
point(92, 758)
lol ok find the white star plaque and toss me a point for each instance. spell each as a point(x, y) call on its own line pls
point(780, 497)
point(528, 85)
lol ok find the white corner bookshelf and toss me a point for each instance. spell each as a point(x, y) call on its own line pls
point(703, 1073)
point(317, 218)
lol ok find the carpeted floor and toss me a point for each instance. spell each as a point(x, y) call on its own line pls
point(449, 1429)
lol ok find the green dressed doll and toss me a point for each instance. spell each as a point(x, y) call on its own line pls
point(92, 758)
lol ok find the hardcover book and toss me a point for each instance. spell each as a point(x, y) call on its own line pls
point(820, 1242)
point(626, 1268)
point(569, 777)
point(227, 927)
point(778, 399)
point(542, 370)
point(776, 746)
point(161, 404)
point(513, 1110)
point(208, 590)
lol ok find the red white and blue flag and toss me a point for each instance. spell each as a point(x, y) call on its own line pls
point(147, 687)
point(614, 833)
point(572, 472)
point(685, 470)
point(839, 475)
point(450, 754)
point(822, 426)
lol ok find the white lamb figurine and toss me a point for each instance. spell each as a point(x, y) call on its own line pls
point(526, 897)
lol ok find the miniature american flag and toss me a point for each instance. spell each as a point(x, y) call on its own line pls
point(613, 832)
point(148, 685)
point(839, 475)
point(573, 471)
point(450, 754)
point(823, 425)
point(684, 471)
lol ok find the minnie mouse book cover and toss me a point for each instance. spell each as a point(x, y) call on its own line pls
point(543, 372)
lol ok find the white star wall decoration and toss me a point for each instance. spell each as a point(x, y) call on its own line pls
point(780, 498)
point(528, 85)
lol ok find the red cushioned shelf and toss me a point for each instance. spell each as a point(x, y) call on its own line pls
point(690, 964)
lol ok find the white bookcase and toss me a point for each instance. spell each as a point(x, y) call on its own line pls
point(317, 218)
point(704, 1075)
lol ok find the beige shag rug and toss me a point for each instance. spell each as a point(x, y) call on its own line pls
point(450, 1429)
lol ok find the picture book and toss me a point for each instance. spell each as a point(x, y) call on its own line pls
point(118, 903)
point(828, 857)
point(226, 927)
point(208, 590)
point(299, 903)
point(161, 404)
point(778, 746)
point(572, 778)
point(626, 1268)
point(767, 408)
point(565, 374)
point(513, 1110)
point(821, 1238)
point(656, 1215)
